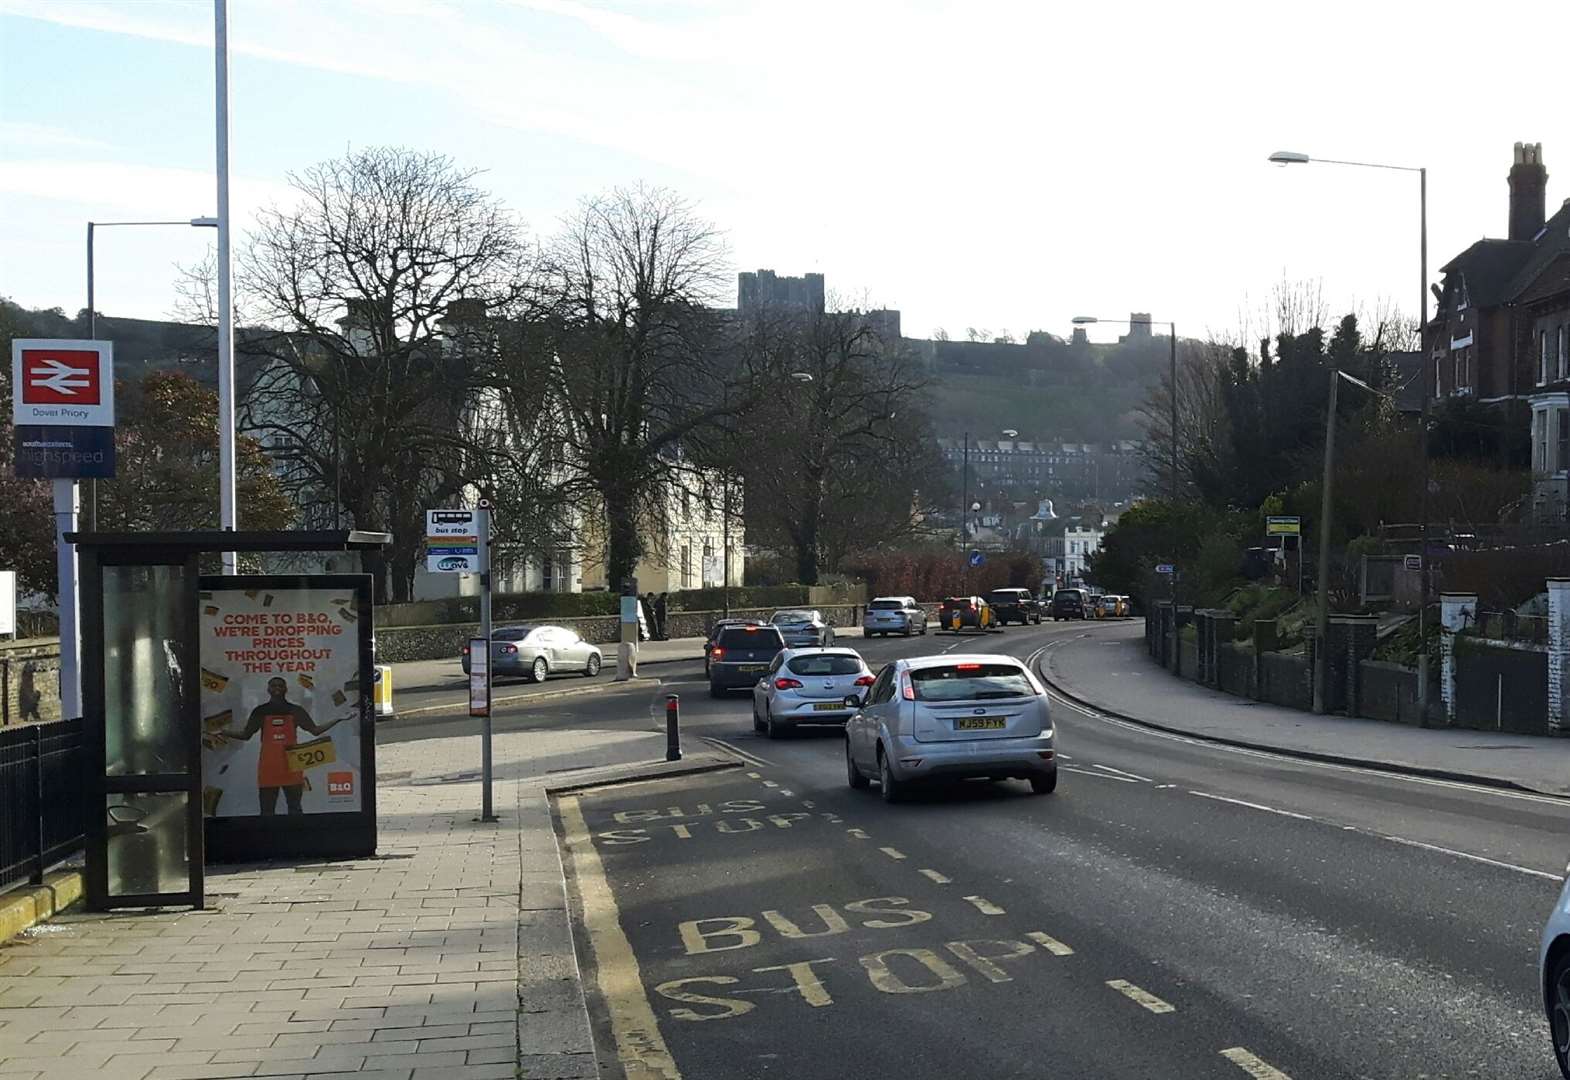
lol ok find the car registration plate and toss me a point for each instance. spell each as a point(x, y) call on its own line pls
point(753, 667)
point(829, 706)
point(979, 723)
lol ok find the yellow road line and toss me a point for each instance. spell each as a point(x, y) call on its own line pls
point(985, 906)
point(1252, 1065)
point(1140, 997)
point(1050, 943)
point(639, 1045)
point(941, 879)
point(893, 853)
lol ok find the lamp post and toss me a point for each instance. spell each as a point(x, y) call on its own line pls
point(91, 516)
point(1293, 157)
point(1086, 320)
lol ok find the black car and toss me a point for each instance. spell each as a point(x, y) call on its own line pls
point(1068, 604)
point(741, 655)
point(714, 636)
point(1014, 605)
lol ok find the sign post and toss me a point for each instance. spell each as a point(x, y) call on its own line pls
point(63, 410)
point(459, 542)
point(1283, 526)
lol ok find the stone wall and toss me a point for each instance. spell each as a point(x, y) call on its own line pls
point(29, 680)
point(1286, 680)
point(1235, 669)
point(1388, 692)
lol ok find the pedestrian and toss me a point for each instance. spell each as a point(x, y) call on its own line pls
point(653, 628)
point(661, 610)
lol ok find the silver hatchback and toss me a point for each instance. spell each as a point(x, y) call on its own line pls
point(894, 615)
point(951, 716)
point(808, 686)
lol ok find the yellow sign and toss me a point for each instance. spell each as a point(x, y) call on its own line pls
point(1283, 526)
point(311, 754)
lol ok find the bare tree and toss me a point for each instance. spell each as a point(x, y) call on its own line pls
point(1202, 438)
point(358, 388)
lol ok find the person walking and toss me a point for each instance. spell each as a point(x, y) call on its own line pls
point(661, 611)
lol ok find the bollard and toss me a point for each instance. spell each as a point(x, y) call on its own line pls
point(672, 729)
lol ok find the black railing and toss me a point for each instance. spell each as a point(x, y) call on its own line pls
point(42, 815)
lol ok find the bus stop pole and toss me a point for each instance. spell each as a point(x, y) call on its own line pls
point(483, 528)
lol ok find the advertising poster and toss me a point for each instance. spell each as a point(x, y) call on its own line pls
point(282, 701)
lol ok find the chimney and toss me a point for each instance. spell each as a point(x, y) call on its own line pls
point(1528, 191)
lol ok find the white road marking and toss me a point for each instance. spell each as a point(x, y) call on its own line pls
point(770, 783)
point(1253, 805)
point(809, 804)
point(859, 834)
point(1097, 775)
point(749, 758)
point(755, 775)
point(1252, 1065)
point(1140, 997)
point(1120, 772)
point(985, 906)
point(893, 853)
point(787, 792)
point(1050, 943)
point(941, 879)
point(1474, 858)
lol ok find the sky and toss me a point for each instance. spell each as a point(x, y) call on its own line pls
point(1002, 165)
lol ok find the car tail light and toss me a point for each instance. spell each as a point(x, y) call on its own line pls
point(509, 648)
point(967, 667)
point(907, 691)
point(866, 680)
point(786, 684)
point(716, 652)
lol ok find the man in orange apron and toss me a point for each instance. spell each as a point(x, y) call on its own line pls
point(280, 721)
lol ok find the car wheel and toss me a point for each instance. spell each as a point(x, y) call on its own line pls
point(1559, 1010)
point(757, 724)
point(593, 667)
point(908, 630)
point(853, 775)
point(771, 729)
point(1044, 785)
point(890, 788)
point(539, 670)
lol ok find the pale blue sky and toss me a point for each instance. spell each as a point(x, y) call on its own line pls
point(988, 163)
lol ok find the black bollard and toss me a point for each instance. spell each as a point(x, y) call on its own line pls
point(672, 727)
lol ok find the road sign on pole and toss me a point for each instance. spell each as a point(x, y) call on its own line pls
point(1279, 525)
point(452, 541)
point(976, 560)
point(1165, 568)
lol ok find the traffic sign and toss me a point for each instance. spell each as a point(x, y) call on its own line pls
point(62, 383)
point(1166, 568)
point(976, 559)
point(1283, 526)
point(1412, 562)
point(452, 541)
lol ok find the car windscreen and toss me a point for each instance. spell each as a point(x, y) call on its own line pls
point(1006, 596)
point(824, 664)
point(750, 637)
point(511, 633)
point(886, 605)
point(782, 618)
point(956, 601)
point(970, 682)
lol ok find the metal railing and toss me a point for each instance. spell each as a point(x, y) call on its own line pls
point(42, 815)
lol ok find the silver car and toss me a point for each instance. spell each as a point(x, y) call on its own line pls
point(1554, 970)
point(951, 716)
point(536, 652)
point(808, 686)
point(894, 615)
point(803, 627)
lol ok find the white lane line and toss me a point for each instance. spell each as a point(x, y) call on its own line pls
point(985, 906)
point(1097, 775)
point(1120, 772)
point(1252, 805)
point(893, 853)
point(859, 834)
point(1140, 997)
point(787, 792)
point(749, 758)
point(1252, 1065)
point(1050, 943)
point(755, 775)
point(770, 783)
point(809, 804)
point(1065, 757)
point(933, 875)
point(1473, 858)
point(834, 819)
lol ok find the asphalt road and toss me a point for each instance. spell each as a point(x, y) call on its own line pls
point(1176, 909)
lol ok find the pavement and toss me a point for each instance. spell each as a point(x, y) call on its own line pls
point(1105, 666)
point(448, 955)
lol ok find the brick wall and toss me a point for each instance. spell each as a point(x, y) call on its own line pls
point(1286, 680)
point(29, 681)
point(1388, 692)
point(1235, 669)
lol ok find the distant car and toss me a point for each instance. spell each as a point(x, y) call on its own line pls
point(714, 633)
point(894, 615)
point(1014, 605)
point(741, 656)
point(951, 716)
point(1068, 604)
point(807, 686)
point(536, 652)
point(803, 627)
point(1093, 606)
point(1554, 977)
point(958, 612)
point(1108, 606)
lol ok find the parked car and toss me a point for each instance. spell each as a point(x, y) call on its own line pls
point(741, 656)
point(1554, 977)
point(807, 686)
point(958, 612)
point(1111, 606)
point(714, 633)
point(1093, 606)
point(1068, 604)
point(1014, 605)
point(951, 716)
point(894, 615)
point(536, 652)
point(803, 627)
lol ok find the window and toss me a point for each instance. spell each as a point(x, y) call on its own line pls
point(1540, 441)
point(1562, 460)
point(1439, 382)
point(883, 688)
point(1564, 355)
point(1542, 357)
point(686, 564)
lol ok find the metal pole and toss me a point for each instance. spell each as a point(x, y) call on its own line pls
point(1322, 617)
point(482, 522)
point(66, 505)
point(91, 522)
point(1172, 327)
point(725, 571)
point(226, 474)
point(1427, 373)
point(337, 468)
point(672, 727)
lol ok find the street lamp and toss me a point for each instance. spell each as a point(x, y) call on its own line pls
point(1086, 320)
point(1293, 157)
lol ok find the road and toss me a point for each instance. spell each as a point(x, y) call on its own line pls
point(1176, 909)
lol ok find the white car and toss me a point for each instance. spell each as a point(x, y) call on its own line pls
point(808, 686)
point(1555, 968)
point(894, 615)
